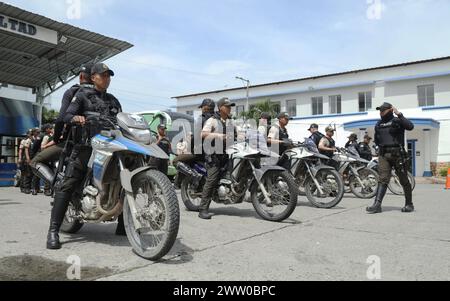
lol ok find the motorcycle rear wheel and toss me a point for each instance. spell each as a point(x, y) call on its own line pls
point(188, 192)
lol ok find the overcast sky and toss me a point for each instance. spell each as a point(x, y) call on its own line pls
point(187, 46)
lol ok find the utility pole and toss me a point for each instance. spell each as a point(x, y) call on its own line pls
point(248, 89)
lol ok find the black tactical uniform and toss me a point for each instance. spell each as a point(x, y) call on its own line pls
point(40, 164)
point(86, 100)
point(316, 137)
point(390, 137)
point(364, 151)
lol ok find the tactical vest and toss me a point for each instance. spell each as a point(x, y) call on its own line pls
point(108, 108)
point(332, 145)
point(316, 137)
point(223, 126)
point(389, 134)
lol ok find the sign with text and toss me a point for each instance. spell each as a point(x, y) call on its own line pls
point(29, 30)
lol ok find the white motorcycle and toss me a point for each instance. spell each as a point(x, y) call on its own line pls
point(323, 185)
point(273, 190)
point(361, 180)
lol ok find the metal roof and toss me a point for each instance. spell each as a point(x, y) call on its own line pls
point(317, 77)
point(44, 66)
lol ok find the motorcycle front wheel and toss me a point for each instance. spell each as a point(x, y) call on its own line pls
point(158, 212)
point(283, 195)
point(332, 185)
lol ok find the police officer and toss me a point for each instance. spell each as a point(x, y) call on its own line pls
point(86, 100)
point(364, 148)
point(352, 144)
point(164, 143)
point(24, 161)
point(195, 151)
point(390, 138)
point(278, 135)
point(36, 142)
point(40, 163)
point(316, 136)
point(215, 132)
point(327, 146)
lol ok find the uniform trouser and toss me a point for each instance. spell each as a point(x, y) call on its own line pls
point(76, 170)
point(73, 178)
point(395, 160)
point(47, 156)
point(26, 176)
point(214, 170)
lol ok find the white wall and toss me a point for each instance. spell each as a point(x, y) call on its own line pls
point(18, 93)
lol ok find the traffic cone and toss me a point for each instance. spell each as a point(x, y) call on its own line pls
point(447, 186)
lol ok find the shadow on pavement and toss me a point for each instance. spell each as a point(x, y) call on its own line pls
point(102, 234)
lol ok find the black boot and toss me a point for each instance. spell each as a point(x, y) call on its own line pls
point(120, 230)
point(204, 210)
point(59, 209)
point(409, 206)
point(376, 207)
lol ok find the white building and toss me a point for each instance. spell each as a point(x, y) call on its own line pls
point(421, 90)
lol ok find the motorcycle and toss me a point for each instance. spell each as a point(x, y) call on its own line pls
point(272, 189)
point(323, 185)
point(394, 184)
point(361, 180)
point(118, 180)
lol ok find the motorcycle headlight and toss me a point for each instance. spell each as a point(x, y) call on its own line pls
point(143, 136)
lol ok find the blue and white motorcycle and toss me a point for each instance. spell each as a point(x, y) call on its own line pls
point(119, 180)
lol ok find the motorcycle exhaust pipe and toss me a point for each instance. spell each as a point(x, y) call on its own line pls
point(183, 168)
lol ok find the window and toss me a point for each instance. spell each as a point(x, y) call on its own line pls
point(317, 105)
point(335, 104)
point(292, 107)
point(277, 107)
point(190, 113)
point(365, 101)
point(426, 95)
point(239, 110)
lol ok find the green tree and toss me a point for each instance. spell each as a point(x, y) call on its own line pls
point(255, 111)
point(49, 116)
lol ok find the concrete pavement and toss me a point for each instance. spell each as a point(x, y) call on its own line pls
point(314, 244)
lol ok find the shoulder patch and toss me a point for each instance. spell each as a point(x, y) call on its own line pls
point(74, 99)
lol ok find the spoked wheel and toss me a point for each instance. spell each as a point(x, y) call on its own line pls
point(191, 195)
point(158, 213)
point(396, 187)
point(369, 179)
point(283, 195)
point(332, 186)
point(71, 223)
